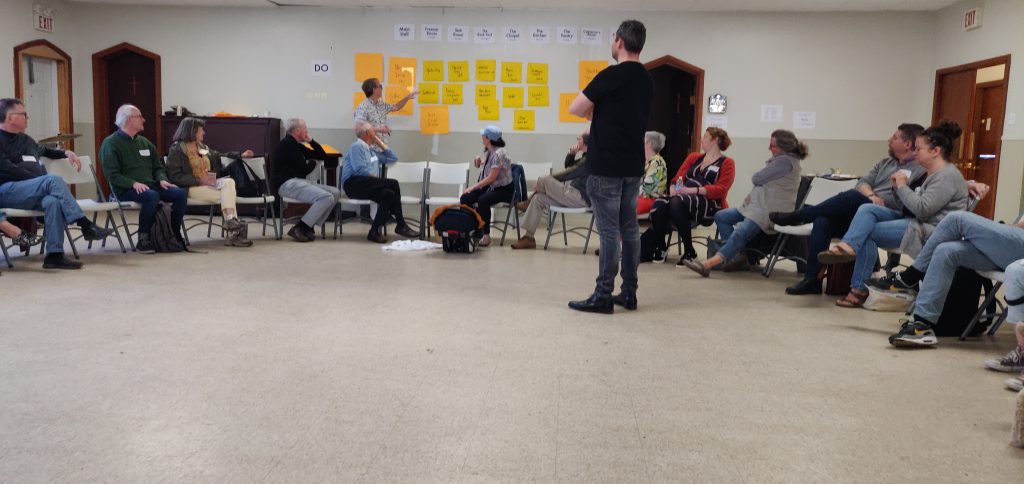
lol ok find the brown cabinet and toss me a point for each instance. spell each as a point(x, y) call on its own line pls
point(261, 135)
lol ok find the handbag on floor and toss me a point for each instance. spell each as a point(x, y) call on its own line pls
point(163, 234)
point(456, 225)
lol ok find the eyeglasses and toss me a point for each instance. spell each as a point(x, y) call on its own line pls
point(23, 113)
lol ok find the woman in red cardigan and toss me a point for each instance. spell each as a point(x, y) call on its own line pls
point(696, 193)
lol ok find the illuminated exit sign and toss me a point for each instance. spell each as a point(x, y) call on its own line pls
point(972, 19)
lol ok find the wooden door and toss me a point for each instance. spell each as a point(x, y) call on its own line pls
point(984, 141)
point(676, 107)
point(125, 74)
point(955, 102)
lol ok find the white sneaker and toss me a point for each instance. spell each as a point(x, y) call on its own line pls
point(1016, 383)
point(1013, 362)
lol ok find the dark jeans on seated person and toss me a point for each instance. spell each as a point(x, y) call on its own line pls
point(613, 201)
point(384, 191)
point(484, 198)
point(149, 200)
point(831, 219)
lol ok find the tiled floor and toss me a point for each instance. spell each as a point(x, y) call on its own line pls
point(337, 362)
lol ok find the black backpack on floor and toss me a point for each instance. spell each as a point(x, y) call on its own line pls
point(962, 303)
point(162, 234)
point(247, 184)
point(456, 225)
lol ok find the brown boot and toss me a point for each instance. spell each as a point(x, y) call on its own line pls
point(526, 242)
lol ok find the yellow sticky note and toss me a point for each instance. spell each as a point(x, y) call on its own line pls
point(564, 100)
point(589, 69)
point(512, 97)
point(434, 119)
point(458, 71)
point(429, 93)
point(451, 93)
point(536, 73)
point(357, 99)
point(486, 91)
point(369, 65)
point(537, 96)
point(488, 110)
point(485, 69)
point(433, 70)
point(393, 94)
point(523, 120)
point(402, 71)
point(512, 72)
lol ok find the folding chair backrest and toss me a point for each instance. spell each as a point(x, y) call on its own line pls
point(408, 172)
point(448, 174)
point(62, 168)
point(258, 165)
point(534, 171)
point(823, 189)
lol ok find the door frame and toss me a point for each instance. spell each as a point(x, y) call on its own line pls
point(65, 92)
point(697, 72)
point(99, 88)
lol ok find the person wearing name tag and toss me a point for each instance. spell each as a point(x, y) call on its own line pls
point(359, 178)
point(696, 194)
point(136, 174)
point(194, 166)
point(25, 185)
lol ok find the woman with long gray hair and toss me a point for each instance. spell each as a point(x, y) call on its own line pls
point(775, 189)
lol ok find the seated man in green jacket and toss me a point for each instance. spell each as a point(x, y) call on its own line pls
point(136, 174)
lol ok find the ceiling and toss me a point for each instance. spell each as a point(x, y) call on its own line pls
point(608, 5)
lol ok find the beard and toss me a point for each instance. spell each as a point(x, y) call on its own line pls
point(891, 153)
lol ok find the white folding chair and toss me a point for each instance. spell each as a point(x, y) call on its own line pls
point(554, 211)
point(87, 175)
point(531, 172)
point(997, 278)
point(258, 166)
point(450, 174)
point(821, 189)
point(411, 174)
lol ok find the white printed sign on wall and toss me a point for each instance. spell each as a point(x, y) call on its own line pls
point(513, 34)
point(591, 35)
point(483, 35)
point(405, 32)
point(566, 35)
point(458, 33)
point(540, 35)
point(321, 68)
point(805, 119)
point(771, 113)
point(430, 32)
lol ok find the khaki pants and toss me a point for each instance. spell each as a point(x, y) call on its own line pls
point(550, 192)
point(225, 196)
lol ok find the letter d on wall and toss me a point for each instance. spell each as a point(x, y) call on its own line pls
point(321, 68)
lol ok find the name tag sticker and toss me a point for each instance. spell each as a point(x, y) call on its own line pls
point(204, 151)
point(713, 168)
point(144, 152)
point(28, 158)
point(373, 159)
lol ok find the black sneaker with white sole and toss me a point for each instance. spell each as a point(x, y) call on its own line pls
point(914, 334)
point(892, 283)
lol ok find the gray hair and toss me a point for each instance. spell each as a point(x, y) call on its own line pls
point(362, 127)
point(788, 143)
point(123, 113)
point(291, 124)
point(655, 139)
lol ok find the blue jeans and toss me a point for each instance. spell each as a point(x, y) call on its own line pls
point(962, 239)
point(873, 227)
point(613, 201)
point(49, 194)
point(831, 218)
point(149, 200)
point(736, 230)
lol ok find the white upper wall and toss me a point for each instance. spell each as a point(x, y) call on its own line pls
point(1001, 33)
point(861, 73)
point(16, 28)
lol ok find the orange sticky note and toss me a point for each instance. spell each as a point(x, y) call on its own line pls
point(393, 94)
point(512, 97)
point(589, 69)
point(564, 100)
point(523, 120)
point(488, 110)
point(402, 71)
point(433, 70)
point(458, 71)
point(512, 72)
point(357, 99)
point(369, 65)
point(434, 119)
point(537, 96)
point(485, 69)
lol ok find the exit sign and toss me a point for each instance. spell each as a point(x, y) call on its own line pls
point(972, 19)
point(42, 18)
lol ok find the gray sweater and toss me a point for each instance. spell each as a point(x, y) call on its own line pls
point(942, 192)
point(775, 190)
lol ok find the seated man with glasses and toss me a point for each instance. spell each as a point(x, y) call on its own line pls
point(25, 185)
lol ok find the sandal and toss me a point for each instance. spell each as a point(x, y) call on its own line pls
point(854, 299)
point(695, 266)
point(837, 254)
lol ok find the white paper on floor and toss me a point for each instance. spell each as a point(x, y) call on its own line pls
point(410, 246)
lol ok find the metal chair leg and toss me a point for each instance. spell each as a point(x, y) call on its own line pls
point(565, 232)
point(989, 298)
point(551, 225)
point(71, 240)
point(773, 256)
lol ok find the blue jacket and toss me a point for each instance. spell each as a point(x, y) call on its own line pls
point(363, 161)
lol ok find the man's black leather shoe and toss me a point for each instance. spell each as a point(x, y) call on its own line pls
point(95, 232)
point(57, 260)
point(626, 300)
point(784, 218)
point(594, 304)
point(805, 286)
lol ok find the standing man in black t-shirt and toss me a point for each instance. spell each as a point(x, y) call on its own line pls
point(618, 103)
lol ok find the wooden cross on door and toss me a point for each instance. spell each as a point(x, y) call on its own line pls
point(134, 85)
